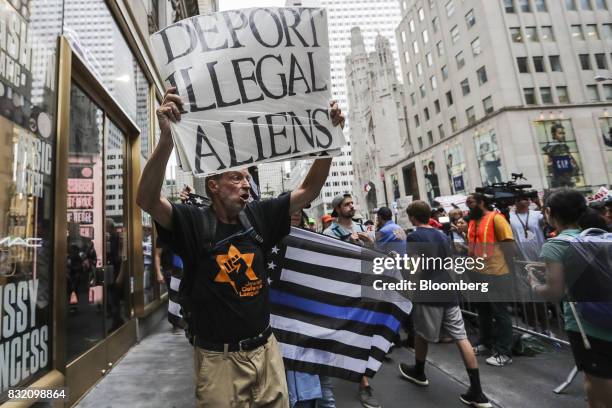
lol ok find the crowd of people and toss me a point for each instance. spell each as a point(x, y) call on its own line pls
point(222, 248)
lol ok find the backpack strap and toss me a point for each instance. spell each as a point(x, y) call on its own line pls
point(209, 227)
point(249, 229)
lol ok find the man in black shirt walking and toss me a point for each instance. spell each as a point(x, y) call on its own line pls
point(237, 359)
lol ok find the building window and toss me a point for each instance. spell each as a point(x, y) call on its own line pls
point(546, 33)
point(444, 71)
point(421, 14)
point(523, 65)
point(455, 34)
point(601, 4)
point(570, 4)
point(419, 68)
point(585, 62)
point(460, 60)
point(577, 32)
point(538, 64)
point(608, 92)
point(422, 89)
point(482, 75)
point(434, 82)
point(410, 78)
point(600, 60)
point(465, 87)
point(425, 36)
point(429, 59)
point(440, 48)
point(406, 57)
point(420, 142)
point(450, 8)
point(476, 50)
point(441, 131)
point(454, 125)
point(449, 98)
point(417, 121)
point(607, 31)
point(470, 20)
point(426, 113)
point(585, 5)
point(487, 104)
point(437, 106)
point(415, 47)
point(562, 94)
point(592, 93)
point(540, 5)
point(430, 137)
point(529, 94)
point(413, 98)
point(524, 6)
point(435, 23)
point(555, 63)
point(591, 32)
point(531, 34)
point(515, 33)
point(509, 6)
point(411, 26)
point(546, 95)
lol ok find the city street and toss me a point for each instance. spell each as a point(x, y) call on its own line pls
point(158, 372)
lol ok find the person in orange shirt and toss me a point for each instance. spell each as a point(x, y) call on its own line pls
point(486, 230)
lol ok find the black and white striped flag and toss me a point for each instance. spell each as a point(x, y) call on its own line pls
point(324, 312)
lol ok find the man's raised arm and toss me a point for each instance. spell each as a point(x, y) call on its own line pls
point(312, 184)
point(149, 196)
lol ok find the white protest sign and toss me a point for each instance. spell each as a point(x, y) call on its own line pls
point(255, 86)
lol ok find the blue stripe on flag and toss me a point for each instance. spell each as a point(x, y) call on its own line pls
point(337, 312)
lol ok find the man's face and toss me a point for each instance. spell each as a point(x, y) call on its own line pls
point(523, 203)
point(233, 189)
point(346, 208)
point(432, 167)
point(559, 134)
point(379, 221)
point(476, 209)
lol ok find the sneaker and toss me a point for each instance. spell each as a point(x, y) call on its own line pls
point(499, 360)
point(409, 373)
point(366, 396)
point(481, 349)
point(475, 400)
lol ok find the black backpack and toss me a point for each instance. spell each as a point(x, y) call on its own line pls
point(209, 226)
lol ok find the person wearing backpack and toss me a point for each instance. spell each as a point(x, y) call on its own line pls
point(578, 265)
point(237, 359)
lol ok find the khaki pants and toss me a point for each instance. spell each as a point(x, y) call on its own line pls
point(241, 379)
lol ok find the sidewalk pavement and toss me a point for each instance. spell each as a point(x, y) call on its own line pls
point(158, 372)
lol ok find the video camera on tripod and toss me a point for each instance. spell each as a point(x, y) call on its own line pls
point(505, 194)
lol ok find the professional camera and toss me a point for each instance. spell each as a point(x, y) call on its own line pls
point(505, 194)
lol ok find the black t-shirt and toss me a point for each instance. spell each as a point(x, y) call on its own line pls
point(230, 286)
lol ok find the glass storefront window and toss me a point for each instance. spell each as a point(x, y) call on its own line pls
point(489, 160)
point(456, 169)
point(432, 184)
point(606, 137)
point(97, 276)
point(27, 169)
point(559, 151)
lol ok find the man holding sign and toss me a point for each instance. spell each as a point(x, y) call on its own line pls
point(244, 89)
point(237, 359)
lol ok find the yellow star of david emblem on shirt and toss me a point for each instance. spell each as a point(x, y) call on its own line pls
point(230, 266)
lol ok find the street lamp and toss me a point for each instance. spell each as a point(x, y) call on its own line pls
point(602, 78)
